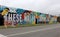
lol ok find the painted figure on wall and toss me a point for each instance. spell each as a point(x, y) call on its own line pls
point(27, 16)
point(4, 13)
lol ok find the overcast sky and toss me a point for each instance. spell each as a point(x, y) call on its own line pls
point(44, 6)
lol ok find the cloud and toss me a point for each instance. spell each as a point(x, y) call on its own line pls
point(44, 6)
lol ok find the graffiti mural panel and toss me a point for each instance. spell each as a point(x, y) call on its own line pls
point(15, 16)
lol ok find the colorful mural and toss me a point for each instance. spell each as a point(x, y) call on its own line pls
point(15, 16)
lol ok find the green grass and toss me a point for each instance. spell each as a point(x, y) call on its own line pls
point(26, 25)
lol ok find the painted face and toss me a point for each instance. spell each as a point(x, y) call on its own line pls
point(5, 11)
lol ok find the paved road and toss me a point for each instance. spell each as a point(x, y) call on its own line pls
point(36, 31)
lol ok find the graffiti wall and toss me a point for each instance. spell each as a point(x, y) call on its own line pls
point(15, 16)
